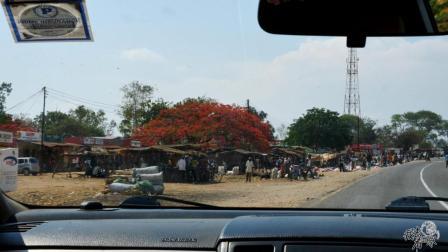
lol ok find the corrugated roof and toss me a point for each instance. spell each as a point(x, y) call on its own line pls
point(294, 152)
point(51, 144)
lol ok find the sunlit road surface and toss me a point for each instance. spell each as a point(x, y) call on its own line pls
point(418, 178)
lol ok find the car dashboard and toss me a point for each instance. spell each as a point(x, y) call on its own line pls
point(216, 230)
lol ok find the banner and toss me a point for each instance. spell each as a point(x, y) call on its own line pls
point(48, 20)
point(6, 137)
point(136, 144)
point(29, 136)
point(93, 141)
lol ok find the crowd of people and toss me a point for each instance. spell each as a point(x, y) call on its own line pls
point(283, 167)
point(196, 169)
point(296, 169)
point(203, 169)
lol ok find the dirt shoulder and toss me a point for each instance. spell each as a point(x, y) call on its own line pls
point(231, 192)
point(266, 193)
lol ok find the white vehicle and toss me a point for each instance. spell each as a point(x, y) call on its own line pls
point(28, 165)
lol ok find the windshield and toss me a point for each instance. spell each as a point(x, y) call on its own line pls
point(193, 100)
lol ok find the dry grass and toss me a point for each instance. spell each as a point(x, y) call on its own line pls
point(232, 191)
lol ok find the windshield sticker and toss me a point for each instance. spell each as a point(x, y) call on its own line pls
point(8, 170)
point(427, 234)
point(10, 161)
point(60, 20)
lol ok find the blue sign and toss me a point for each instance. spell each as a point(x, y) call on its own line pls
point(56, 20)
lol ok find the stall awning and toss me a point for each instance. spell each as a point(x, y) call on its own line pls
point(51, 144)
point(292, 152)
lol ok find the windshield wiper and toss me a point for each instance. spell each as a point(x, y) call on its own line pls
point(413, 204)
point(153, 202)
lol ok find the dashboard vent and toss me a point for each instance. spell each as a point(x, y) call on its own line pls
point(18, 227)
point(253, 248)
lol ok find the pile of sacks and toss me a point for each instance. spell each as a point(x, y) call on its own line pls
point(146, 180)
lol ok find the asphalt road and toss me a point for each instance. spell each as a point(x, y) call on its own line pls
point(418, 178)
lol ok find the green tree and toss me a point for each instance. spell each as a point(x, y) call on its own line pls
point(409, 138)
point(319, 128)
point(263, 117)
point(200, 99)
point(441, 143)
point(138, 106)
point(367, 132)
point(440, 11)
point(5, 91)
point(428, 123)
point(80, 121)
point(386, 136)
point(424, 128)
point(156, 107)
point(92, 121)
point(423, 120)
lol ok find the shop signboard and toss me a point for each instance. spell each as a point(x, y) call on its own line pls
point(136, 144)
point(93, 141)
point(29, 136)
point(6, 137)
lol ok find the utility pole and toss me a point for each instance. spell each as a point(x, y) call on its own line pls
point(248, 105)
point(42, 129)
point(359, 122)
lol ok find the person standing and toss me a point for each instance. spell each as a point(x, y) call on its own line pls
point(182, 166)
point(249, 169)
point(194, 170)
point(341, 164)
point(88, 166)
point(307, 168)
point(446, 160)
point(369, 161)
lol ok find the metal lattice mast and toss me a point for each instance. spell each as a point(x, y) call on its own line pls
point(352, 103)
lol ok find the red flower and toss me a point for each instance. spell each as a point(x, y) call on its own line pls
point(199, 122)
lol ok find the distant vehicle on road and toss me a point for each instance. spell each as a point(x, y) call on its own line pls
point(28, 165)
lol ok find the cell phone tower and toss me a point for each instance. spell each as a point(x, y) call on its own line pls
point(352, 103)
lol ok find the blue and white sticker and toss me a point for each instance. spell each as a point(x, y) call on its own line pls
point(8, 169)
point(48, 20)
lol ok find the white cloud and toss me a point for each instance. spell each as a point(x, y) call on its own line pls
point(396, 75)
point(143, 54)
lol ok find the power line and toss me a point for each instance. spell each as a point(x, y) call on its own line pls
point(77, 103)
point(81, 99)
point(32, 106)
point(24, 101)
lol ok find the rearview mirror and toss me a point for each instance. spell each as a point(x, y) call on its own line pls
point(355, 19)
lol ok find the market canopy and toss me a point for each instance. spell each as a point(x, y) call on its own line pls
point(168, 149)
point(288, 152)
point(245, 152)
point(51, 144)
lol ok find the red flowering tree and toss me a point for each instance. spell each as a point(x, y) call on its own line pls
point(13, 125)
point(196, 121)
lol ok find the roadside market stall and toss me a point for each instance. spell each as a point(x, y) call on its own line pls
point(238, 157)
point(165, 157)
point(53, 157)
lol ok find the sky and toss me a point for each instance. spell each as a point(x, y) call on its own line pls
point(216, 49)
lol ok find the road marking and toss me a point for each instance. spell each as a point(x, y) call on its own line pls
point(429, 189)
